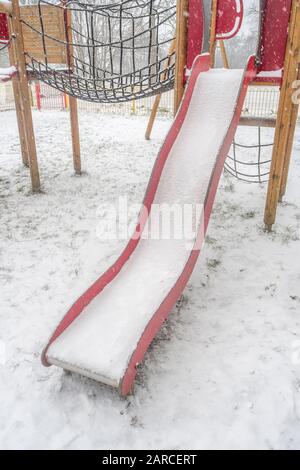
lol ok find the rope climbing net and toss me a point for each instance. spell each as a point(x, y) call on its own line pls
point(248, 162)
point(115, 51)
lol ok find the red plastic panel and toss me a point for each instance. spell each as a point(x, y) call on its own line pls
point(4, 35)
point(229, 18)
point(195, 31)
point(274, 32)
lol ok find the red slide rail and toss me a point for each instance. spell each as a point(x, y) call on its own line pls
point(201, 64)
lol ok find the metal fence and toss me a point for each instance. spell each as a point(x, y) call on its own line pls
point(45, 97)
point(6, 97)
point(260, 102)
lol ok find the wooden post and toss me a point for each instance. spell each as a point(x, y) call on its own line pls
point(286, 119)
point(152, 116)
point(18, 104)
point(75, 134)
point(26, 114)
point(65, 101)
point(289, 149)
point(133, 106)
point(72, 100)
point(224, 54)
point(181, 50)
point(38, 96)
point(213, 32)
point(158, 97)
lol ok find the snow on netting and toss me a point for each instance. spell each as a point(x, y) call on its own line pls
point(116, 51)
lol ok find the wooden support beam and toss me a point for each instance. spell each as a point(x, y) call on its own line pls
point(213, 32)
point(263, 84)
point(152, 116)
point(25, 114)
point(289, 148)
point(181, 50)
point(21, 122)
point(5, 7)
point(18, 103)
point(257, 122)
point(75, 134)
point(224, 54)
point(286, 120)
point(72, 100)
point(158, 97)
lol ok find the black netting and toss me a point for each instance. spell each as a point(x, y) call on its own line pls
point(116, 51)
point(249, 162)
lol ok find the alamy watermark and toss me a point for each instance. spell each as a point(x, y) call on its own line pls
point(123, 220)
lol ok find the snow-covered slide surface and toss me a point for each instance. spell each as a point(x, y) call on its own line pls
point(105, 339)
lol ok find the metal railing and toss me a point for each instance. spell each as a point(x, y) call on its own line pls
point(6, 97)
point(260, 102)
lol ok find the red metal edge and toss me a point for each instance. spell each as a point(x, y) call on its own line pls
point(165, 308)
point(201, 64)
point(229, 26)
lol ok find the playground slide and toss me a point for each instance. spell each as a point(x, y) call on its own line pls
point(107, 331)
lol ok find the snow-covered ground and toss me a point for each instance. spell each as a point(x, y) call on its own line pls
point(224, 371)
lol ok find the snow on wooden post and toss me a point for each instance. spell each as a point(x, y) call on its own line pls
point(26, 127)
point(181, 50)
point(286, 120)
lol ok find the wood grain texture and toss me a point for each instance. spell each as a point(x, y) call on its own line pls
point(53, 25)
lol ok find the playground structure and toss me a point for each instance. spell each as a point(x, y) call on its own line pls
point(107, 331)
point(45, 44)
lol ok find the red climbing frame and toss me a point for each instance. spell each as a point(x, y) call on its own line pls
point(4, 34)
point(229, 18)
